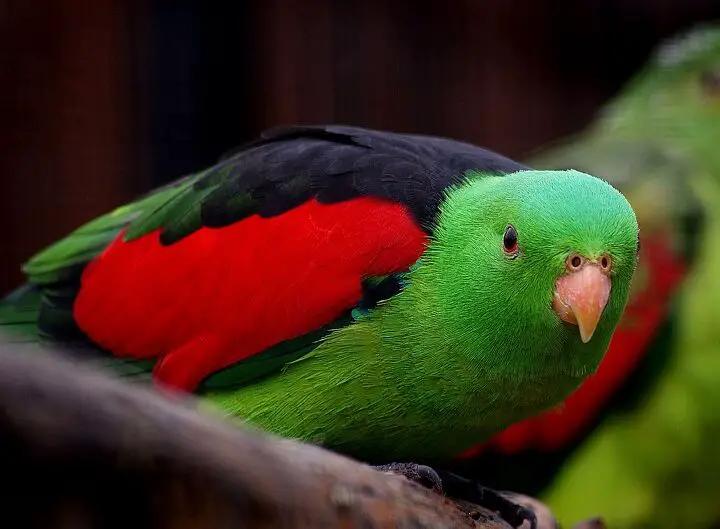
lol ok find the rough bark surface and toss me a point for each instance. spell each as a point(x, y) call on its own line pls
point(81, 449)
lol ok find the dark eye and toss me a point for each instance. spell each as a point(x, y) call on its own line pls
point(605, 262)
point(510, 240)
point(710, 82)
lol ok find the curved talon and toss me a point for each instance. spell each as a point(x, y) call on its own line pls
point(471, 491)
point(460, 488)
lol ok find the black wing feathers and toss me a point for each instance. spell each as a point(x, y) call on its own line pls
point(289, 165)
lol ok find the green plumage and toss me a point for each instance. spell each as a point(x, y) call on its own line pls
point(58, 262)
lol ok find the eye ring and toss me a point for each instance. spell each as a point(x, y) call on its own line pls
point(510, 241)
point(605, 262)
point(575, 262)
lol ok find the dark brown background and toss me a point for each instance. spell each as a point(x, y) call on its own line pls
point(103, 99)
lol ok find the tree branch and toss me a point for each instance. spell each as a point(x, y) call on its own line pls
point(82, 449)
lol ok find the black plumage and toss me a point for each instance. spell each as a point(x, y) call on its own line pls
point(287, 166)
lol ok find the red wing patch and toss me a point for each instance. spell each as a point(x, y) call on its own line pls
point(642, 319)
point(221, 295)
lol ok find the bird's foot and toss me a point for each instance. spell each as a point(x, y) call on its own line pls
point(467, 490)
point(420, 474)
point(458, 487)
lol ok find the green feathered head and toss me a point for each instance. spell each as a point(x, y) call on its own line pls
point(538, 263)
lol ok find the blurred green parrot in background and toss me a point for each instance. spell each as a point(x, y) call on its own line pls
point(637, 444)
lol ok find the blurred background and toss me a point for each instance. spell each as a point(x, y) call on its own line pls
point(103, 100)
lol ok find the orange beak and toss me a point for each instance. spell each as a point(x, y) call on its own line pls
point(580, 298)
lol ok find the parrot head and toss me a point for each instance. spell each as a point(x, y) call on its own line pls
point(556, 252)
point(677, 94)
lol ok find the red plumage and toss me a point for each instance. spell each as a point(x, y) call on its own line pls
point(643, 317)
point(221, 295)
